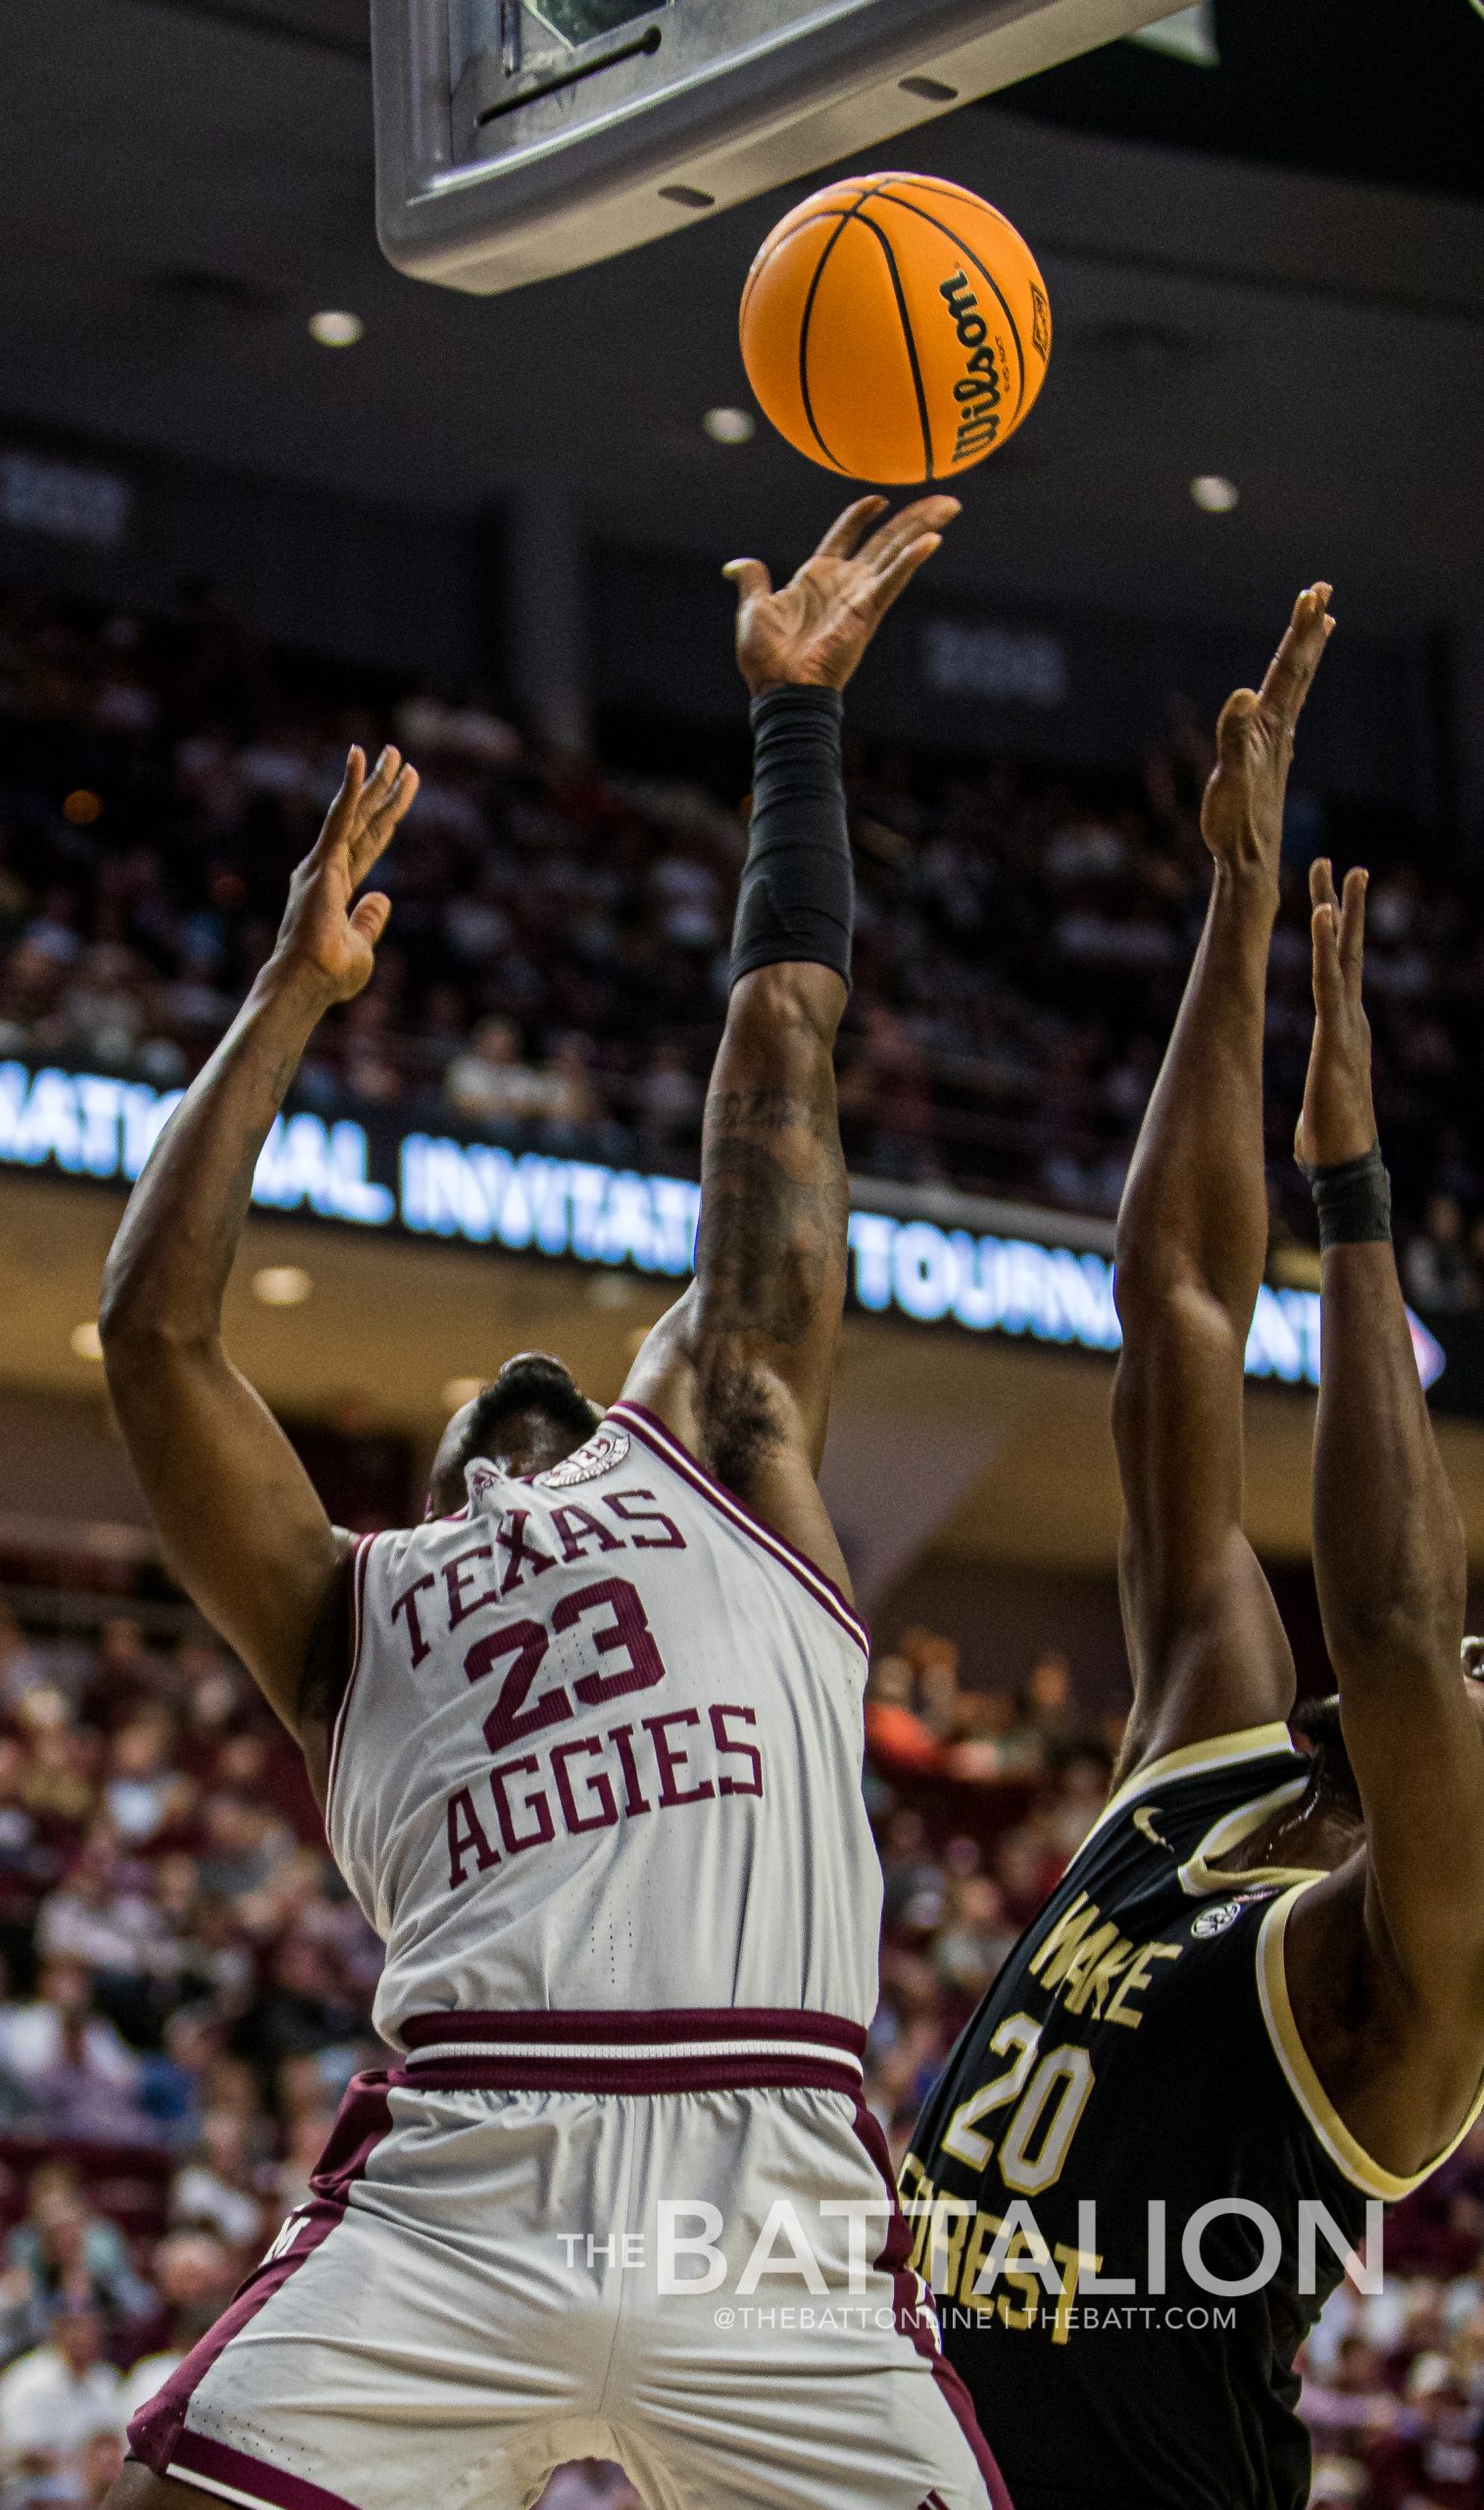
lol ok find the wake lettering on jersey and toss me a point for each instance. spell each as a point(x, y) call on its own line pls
point(1084, 1953)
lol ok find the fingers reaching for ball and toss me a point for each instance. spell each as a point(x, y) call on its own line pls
point(813, 629)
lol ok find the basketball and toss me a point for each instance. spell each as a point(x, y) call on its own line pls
point(895, 328)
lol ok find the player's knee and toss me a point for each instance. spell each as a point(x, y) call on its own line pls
point(137, 2488)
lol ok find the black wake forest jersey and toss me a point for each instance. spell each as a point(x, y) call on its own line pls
point(1131, 2195)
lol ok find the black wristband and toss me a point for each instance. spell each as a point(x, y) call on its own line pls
point(797, 898)
point(1353, 1198)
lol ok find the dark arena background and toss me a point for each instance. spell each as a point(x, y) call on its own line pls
point(263, 495)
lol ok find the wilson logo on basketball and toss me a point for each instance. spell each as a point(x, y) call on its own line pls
point(977, 389)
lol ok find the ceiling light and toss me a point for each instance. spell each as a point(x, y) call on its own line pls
point(282, 1285)
point(335, 330)
point(729, 426)
point(459, 1391)
point(86, 1343)
point(1214, 494)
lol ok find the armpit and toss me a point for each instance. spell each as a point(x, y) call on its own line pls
point(741, 1421)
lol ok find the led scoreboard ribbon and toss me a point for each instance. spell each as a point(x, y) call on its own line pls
point(91, 1124)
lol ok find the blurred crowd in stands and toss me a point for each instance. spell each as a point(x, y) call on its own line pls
point(186, 1990)
point(555, 967)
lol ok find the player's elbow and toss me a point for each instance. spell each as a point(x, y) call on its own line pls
point(136, 1333)
point(1176, 1332)
point(791, 1001)
point(1414, 1633)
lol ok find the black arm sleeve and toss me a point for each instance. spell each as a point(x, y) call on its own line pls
point(797, 899)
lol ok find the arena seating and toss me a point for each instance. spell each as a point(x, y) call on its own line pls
point(555, 965)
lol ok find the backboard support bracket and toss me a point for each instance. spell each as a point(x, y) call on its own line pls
point(517, 139)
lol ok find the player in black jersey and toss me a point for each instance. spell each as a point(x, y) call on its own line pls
point(1254, 2008)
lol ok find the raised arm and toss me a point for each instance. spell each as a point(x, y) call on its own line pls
point(740, 1369)
point(1205, 1642)
point(1408, 1922)
point(242, 1526)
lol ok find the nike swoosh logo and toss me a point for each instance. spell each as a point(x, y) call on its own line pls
point(1143, 1820)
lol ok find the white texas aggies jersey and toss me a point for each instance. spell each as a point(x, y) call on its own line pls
point(601, 1748)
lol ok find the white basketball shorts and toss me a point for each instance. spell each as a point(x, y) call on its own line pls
point(668, 2239)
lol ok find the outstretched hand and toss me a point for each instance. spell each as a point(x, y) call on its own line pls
point(1242, 810)
point(814, 631)
point(323, 934)
point(1338, 1120)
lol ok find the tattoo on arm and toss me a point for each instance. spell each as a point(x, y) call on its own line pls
point(770, 1260)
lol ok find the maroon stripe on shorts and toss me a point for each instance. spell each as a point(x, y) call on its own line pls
point(722, 2072)
point(157, 2431)
point(896, 2249)
point(556, 2029)
point(213, 2461)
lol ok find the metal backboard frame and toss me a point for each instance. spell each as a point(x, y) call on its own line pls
point(520, 139)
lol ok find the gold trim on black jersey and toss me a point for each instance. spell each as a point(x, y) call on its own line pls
point(1218, 1751)
point(1199, 1876)
point(1304, 2084)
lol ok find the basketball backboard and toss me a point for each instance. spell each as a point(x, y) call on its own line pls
point(519, 138)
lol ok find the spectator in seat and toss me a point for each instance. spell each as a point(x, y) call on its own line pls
point(971, 1948)
point(103, 1916)
point(21, 1664)
point(194, 2276)
point(217, 2190)
point(668, 1102)
point(28, 1864)
point(491, 1083)
point(1047, 1705)
point(911, 1876)
point(1027, 1869)
point(83, 2098)
point(64, 2249)
point(127, 1675)
point(245, 1842)
point(53, 2402)
point(1437, 1267)
point(1431, 2460)
point(1353, 2408)
point(991, 1740)
point(1080, 1796)
point(935, 1662)
point(143, 1794)
point(33, 2035)
point(896, 1736)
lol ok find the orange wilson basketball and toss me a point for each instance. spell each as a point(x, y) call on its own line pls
point(895, 327)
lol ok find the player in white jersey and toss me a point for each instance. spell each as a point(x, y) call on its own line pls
point(588, 1741)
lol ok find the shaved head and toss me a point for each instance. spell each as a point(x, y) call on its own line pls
point(525, 1421)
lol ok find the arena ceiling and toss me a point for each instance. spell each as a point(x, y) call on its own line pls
point(183, 183)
